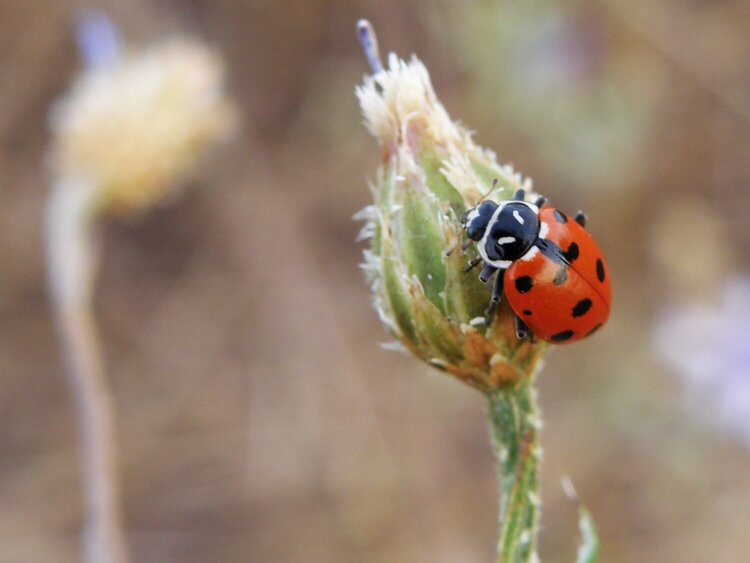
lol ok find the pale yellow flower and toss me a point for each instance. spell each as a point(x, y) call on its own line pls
point(131, 131)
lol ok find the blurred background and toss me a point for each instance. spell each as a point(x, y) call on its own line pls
point(259, 418)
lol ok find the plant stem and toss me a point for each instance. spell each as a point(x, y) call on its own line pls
point(70, 256)
point(514, 418)
point(103, 536)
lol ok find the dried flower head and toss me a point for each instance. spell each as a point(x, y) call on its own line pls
point(133, 128)
point(129, 130)
point(432, 171)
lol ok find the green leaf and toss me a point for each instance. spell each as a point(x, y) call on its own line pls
point(438, 184)
point(396, 294)
point(467, 297)
point(422, 246)
point(588, 551)
point(439, 335)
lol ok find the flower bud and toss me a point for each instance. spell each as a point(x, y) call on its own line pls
point(431, 171)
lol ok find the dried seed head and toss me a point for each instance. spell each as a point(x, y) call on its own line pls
point(135, 127)
point(431, 172)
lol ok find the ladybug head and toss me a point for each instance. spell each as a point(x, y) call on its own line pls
point(511, 232)
point(476, 219)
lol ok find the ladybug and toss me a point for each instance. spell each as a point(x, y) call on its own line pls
point(551, 270)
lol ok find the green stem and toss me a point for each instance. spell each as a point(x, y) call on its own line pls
point(515, 422)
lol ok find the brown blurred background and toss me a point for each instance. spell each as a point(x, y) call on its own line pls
point(259, 418)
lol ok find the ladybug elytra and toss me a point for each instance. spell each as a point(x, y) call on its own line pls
point(551, 270)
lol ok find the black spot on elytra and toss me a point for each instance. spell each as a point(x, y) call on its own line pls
point(526, 312)
point(562, 336)
point(593, 330)
point(560, 216)
point(524, 284)
point(561, 276)
point(572, 253)
point(600, 270)
point(582, 307)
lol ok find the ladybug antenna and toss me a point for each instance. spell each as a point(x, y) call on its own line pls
point(492, 189)
point(463, 246)
point(466, 214)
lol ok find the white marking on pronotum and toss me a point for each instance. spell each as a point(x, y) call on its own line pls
point(518, 217)
point(507, 240)
point(530, 253)
point(543, 230)
point(481, 245)
point(477, 321)
point(502, 264)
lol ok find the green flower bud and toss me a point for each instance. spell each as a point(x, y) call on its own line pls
point(431, 171)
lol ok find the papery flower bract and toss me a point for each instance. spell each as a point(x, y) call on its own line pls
point(431, 172)
point(134, 128)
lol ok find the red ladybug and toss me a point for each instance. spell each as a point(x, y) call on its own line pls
point(552, 271)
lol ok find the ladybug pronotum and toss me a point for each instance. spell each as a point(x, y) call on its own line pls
point(551, 270)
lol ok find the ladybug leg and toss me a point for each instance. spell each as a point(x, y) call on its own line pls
point(487, 272)
point(466, 244)
point(540, 201)
point(497, 294)
point(520, 195)
point(580, 218)
point(473, 264)
point(522, 331)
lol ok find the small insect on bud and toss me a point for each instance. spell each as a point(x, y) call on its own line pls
point(432, 189)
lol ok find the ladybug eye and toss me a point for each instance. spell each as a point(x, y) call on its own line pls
point(506, 240)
